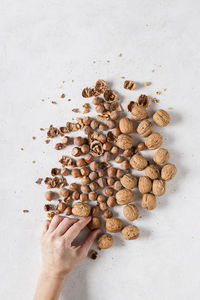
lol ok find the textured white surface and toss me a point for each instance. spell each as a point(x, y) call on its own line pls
point(45, 42)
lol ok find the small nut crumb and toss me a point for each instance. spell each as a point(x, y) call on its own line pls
point(42, 129)
point(69, 100)
point(130, 85)
point(25, 211)
point(22, 149)
point(169, 108)
point(157, 92)
point(34, 137)
point(50, 215)
point(53, 102)
point(147, 83)
point(62, 96)
point(93, 254)
point(75, 110)
point(47, 141)
point(39, 180)
point(33, 161)
point(155, 100)
point(120, 55)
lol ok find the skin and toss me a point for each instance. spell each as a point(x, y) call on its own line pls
point(59, 256)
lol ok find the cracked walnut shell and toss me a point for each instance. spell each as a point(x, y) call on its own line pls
point(138, 162)
point(145, 128)
point(159, 187)
point(154, 141)
point(105, 241)
point(109, 96)
point(81, 209)
point(161, 118)
point(130, 85)
point(161, 156)
point(130, 232)
point(144, 184)
point(126, 125)
point(131, 212)
point(124, 141)
point(124, 197)
point(129, 181)
point(168, 172)
point(144, 100)
point(148, 201)
point(114, 225)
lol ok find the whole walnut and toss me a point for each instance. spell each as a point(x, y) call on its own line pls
point(105, 241)
point(130, 232)
point(126, 125)
point(145, 128)
point(159, 187)
point(161, 156)
point(144, 184)
point(138, 162)
point(154, 141)
point(124, 197)
point(129, 181)
point(149, 201)
point(114, 225)
point(124, 141)
point(131, 212)
point(152, 171)
point(168, 172)
point(138, 112)
point(161, 118)
point(81, 209)
point(95, 223)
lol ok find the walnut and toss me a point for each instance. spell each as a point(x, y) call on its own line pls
point(81, 209)
point(101, 86)
point(161, 118)
point(168, 172)
point(131, 212)
point(129, 181)
point(144, 184)
point(138, 162)
point(114, 225)
point(152, 171)
point(154, 141)
point(126, 125)
point(144, 100)
point(138, 112)
point(159, 187)
point(96, 148)
point(124, 197)
point(105, 241)
point(161, 156)
point(130, 232)
point(130, 85)
point(95, 223)
point(145, 128)
point(124, 141)
point(109, 96)
point(149, 201)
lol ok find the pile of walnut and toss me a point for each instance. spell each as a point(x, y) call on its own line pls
point(103, 186)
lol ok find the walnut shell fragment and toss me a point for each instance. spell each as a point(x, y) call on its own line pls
point(96, 148)
point(144, 100)
point(130, 85)
point(101, 86)
point(109, 96)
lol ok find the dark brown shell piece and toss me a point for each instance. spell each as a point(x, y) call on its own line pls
point(96, 148)
point(109, 96)
point(130, 105)
point(100, 86)
point(110, 137)
point(144, 100)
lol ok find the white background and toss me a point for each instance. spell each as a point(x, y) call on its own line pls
point(43, 43)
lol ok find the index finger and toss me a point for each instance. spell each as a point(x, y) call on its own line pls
point(75, 229)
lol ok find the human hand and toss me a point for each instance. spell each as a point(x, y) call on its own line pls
point(59, 257)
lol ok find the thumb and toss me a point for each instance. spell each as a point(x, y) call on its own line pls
point(85, 247)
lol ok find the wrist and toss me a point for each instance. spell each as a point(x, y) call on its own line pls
point(52, 275)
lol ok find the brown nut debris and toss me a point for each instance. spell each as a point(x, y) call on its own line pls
point(105, 241)
point(161, 156)
point(159, 187)
point(59, 146)
point(126, 125)
point(96, 148)
point(130, 232)
point(148, 201)
point(124, 196)
point(168, 172)
point(61, 206)
point(161, 118)
point(129, 181)
point(141, 146)
point(95, 223)
point(144, 184)
point(131, 212)
point(81, 209)
point(124, 141)
point(109, 96)
point(114, 225)
point(144, 100)
point(154, 141)
point(130, 85)
point(145, 128)
point(138, 162)
point(101, 86)
point(152, 171)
